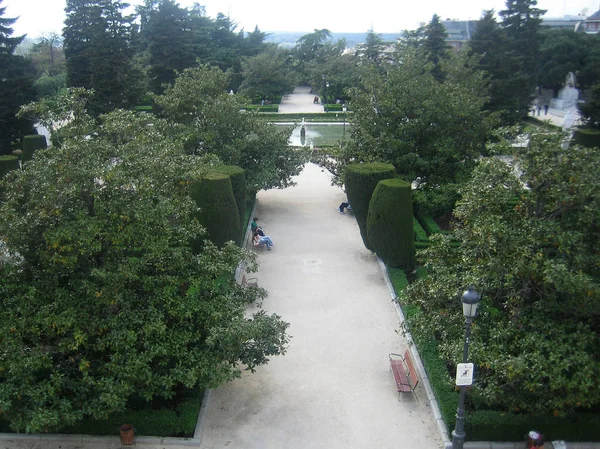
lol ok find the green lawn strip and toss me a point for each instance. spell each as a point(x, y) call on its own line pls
point(420, 234)
point(429, 224)
point(308, 117)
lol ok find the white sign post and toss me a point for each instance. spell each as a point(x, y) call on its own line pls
point(464, 374)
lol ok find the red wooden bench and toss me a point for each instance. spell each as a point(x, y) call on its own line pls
point(404, 372)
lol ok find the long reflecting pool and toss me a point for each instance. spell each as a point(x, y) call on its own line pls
point(316, 134)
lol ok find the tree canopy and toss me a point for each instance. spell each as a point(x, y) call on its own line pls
point(210, 122)
point(529, 242)
point(16, 85)
point(102, 298)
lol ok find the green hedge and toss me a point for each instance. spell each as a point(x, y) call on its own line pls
point(269, 108)
point(420, 234)
point(398, 279)
point(587, 137)
point(218, 213)
point(31, 143)
point(390, 223)
point(308, 117)
point(361, 181)
point(429, 224)
point(238, 184)
point(172, 420)
point(8, 163)
point(336, 108)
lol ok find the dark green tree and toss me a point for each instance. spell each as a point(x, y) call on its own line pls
point(267, 75)
point(166, 36)
point(435, 47)
point(99, 53)
point(371, 52)
point(590, 72)
point(489, 43)
point(561, 52)
point(521, 25)
point(529, 242)
point(16, 85)
point(590, 110)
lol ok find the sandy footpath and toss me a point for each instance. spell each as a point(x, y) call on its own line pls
point(333, 389)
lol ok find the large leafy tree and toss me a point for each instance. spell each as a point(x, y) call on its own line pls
point(267, 75)
point(102, 298)
point(210, 122)
point(529, 241)
point(424, 127)
point(99, 52)
point(16, 85)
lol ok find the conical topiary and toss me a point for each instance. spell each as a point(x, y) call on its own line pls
point(31, 143)
point(238, 184)
point(8, 163)
point(360, 181)
point(390, 224)
point(218, 213)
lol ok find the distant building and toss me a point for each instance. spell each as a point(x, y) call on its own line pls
point(572, 23)
point(459, 31)
point(591, 25)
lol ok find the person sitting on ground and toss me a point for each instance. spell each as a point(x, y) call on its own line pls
point(344, 206)
point(254, 225)
point(260, 239)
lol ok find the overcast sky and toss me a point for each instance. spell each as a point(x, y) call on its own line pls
point(385, 16)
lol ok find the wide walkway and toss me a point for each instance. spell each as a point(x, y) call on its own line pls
point(333, 389)
point(299, 101)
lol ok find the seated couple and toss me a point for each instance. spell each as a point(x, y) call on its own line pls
point(259, 239)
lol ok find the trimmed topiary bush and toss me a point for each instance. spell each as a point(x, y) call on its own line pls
point(218, 213)
point(31, 143)
point(587, 137)
point(8, 163)
point(361, 180)
point(429, 225)
point(238, 184)
point(390, 224)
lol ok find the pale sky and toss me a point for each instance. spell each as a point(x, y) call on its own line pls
point(384, 16)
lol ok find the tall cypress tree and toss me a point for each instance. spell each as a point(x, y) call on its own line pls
point(167, 37)
point(435, 46)
point(99, 52)
point(16, 86)
point(521, 24)
point(489, 42)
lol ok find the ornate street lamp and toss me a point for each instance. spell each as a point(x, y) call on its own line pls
point(325, 94)
point(470, 301)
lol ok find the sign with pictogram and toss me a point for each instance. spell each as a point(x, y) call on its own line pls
point(464, 374)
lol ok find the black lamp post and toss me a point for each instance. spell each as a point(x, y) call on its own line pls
point(470, 300)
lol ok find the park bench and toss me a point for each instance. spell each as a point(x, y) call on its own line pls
point(404, 372)
point(249, 282)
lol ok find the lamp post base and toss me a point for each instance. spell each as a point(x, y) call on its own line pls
point(458, 439)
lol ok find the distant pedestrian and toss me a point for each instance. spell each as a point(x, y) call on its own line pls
point(539, 109)
point(316, 100)
point(545, 109)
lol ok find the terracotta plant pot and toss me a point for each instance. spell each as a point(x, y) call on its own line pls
point(126, 434)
